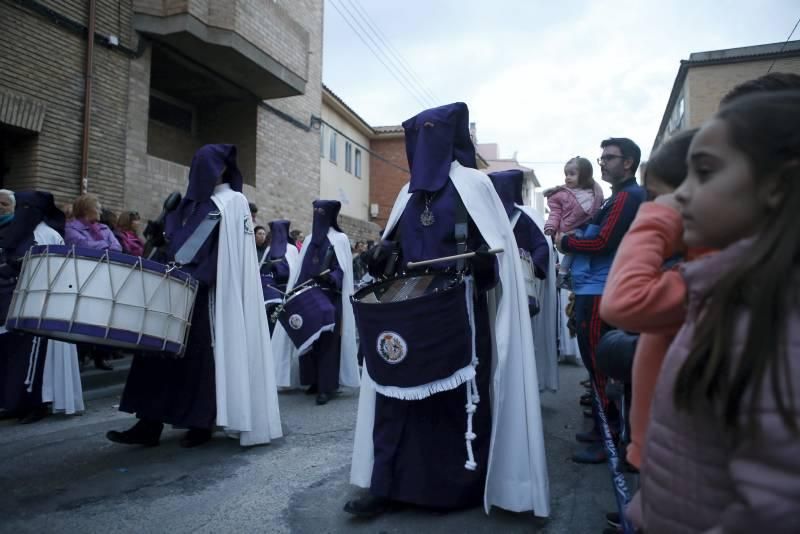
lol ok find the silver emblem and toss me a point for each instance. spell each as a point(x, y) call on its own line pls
point(392, 347)
point(426, 218)
point(296, 322)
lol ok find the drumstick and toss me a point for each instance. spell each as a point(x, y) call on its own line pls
point(295, 288)
point(466, 255)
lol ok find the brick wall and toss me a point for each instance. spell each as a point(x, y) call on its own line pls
point(287, 157)
point(46, 62)
point(707, 85)
point(386, 180)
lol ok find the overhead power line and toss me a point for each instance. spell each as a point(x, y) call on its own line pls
point(784, 44)
point(400, 60)
point(397, 76)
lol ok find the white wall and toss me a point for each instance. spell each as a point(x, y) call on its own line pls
point(335, 182)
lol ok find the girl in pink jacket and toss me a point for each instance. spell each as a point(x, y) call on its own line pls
point(573, 204)
point(722, 452)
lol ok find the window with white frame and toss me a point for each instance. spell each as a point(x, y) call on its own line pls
point(348, 157)
point(358, 163)
point(332, 155)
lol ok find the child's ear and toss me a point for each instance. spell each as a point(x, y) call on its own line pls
point(773, 191)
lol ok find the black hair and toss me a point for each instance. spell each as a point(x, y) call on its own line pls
point(629, 149)
point(668, 163)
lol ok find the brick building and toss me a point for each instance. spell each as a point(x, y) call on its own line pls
point(706, 77)
point(388, 173)
point(167, 77)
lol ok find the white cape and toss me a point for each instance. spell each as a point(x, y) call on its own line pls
point(247, 398)
point(517, 477)
point(61, 382)
point(545, 323)
point(287, 358)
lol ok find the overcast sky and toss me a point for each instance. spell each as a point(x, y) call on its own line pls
point(547, 79)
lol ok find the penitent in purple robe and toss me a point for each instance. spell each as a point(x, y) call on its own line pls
point(527, 233)
point(22, 355)
point(182, 391)
point(320, 366)
point(419, 449)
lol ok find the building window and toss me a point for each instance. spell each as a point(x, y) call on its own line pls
point(348, 157)
point(358, 163)
point(332, 155)
point(322, 141)
point(171, 112)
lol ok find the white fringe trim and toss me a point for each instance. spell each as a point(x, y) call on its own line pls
point(306, 346)
point(426, 390)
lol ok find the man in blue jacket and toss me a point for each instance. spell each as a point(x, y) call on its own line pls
point(594, 251)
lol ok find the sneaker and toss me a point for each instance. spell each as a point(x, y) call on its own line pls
point(594, 454)
point(586, 400)
point(612, 518)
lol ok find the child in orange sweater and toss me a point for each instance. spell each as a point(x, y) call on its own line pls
point(640, 294)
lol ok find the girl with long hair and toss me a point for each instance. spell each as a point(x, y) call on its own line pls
point(722, 452)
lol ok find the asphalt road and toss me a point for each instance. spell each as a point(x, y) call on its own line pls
point(61, 475)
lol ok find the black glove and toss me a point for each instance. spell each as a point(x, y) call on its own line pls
point(483, 268)
point(533, 306)
point(323, 279)
point(377, 257)
point(154, 232)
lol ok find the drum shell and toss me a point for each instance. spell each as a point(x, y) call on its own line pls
point(431, 334)
point(306, 315)
point(106, 298)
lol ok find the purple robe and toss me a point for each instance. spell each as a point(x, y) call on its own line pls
point(320, 366)
point(182, 391)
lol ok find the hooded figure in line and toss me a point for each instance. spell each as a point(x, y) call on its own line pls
point(226, 376)
point(410, 443)
point(528, 227)
point(328, 357)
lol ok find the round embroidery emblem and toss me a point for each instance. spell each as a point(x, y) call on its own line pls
point(392, 347)
point(296, 321)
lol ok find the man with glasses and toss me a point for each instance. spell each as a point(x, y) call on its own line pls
point(594, 250)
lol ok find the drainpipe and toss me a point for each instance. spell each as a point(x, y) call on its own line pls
point(87, 101)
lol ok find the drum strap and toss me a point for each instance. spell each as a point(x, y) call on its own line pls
point(189, 249)
point(327, 260)
point(461, 232)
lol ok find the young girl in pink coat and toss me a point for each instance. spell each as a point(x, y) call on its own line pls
point(573, 204)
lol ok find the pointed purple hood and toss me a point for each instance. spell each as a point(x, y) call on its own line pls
point(435, 138)
point(508, 185)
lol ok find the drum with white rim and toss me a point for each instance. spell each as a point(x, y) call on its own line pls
point(103, 297)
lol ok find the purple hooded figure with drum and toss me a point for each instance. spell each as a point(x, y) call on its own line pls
point(538, 270)
point(316, 330)
point(225, 376)
point(448, 413)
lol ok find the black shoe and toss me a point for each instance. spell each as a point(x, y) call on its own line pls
point(586, 400)
point(37, 414)
point(312, 390)
point(594, 454)
point(592, 436)
point(103, 365)
point(196, 437)
point(612, 518)
point(144, 433)
point(588, 414)
point(323, 398)
point(367, 507)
